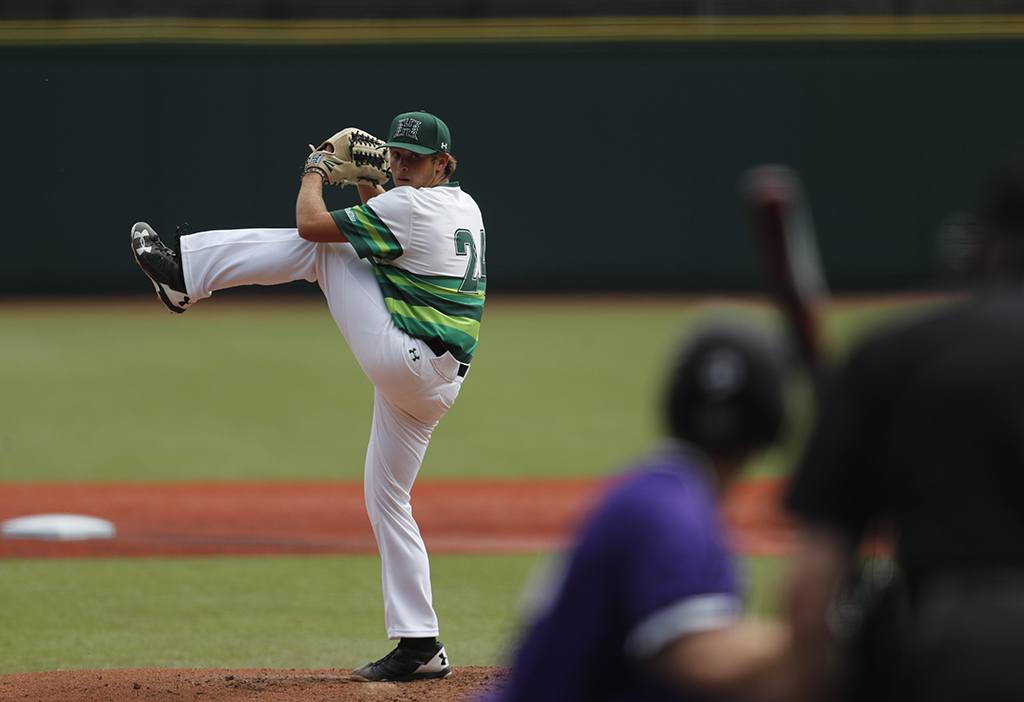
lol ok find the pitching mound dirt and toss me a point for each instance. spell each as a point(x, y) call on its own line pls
point(220, 685)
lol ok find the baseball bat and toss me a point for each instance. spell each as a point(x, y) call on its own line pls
point(782, 226)
point(868, 607)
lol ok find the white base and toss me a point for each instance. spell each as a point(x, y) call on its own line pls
point(58, 527)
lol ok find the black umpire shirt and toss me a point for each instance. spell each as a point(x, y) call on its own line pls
point(924, 427)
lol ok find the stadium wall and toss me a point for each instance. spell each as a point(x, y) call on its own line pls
point(602, 161)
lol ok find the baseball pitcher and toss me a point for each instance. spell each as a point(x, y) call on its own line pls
point(404, 276)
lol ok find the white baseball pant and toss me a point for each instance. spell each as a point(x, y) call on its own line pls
point(413, 387)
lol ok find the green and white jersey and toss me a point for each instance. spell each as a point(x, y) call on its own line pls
point(427, 250)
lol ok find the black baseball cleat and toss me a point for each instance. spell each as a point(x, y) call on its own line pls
point(406, 665)
point(162, 266)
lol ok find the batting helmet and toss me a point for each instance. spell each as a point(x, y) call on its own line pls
point(725, 394)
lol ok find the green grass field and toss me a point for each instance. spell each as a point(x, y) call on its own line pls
point(242, 389)
point(282, 612)
point(236, 391)
point(244, 612)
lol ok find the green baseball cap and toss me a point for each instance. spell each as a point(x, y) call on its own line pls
point(420, 132)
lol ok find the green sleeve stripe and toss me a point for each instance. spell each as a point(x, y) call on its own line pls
point(367, 233)
point(469, 327)
point(419, 287)
point(467, 308)
point(352, 233)
point(385, 242)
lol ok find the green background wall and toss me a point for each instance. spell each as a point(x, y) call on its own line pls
point(597, 166)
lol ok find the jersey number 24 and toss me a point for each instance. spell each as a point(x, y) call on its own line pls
point(476, 267)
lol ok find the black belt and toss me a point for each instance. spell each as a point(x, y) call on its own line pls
point(439, 350)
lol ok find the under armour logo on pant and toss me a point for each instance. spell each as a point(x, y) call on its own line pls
point(415, 354)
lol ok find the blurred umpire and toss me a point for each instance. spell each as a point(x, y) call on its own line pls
point(647, 606)
point(924, 429)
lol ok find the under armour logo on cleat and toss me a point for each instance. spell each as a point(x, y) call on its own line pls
point(444, 658)
point(140, 239)
point(415, 354)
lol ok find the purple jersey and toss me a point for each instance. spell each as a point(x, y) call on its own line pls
point(649, 566)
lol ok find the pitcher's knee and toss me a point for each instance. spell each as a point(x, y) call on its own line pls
point(385, 504)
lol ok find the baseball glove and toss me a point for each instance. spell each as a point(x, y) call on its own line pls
point(351, 157)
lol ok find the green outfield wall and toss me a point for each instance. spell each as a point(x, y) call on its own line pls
point(604, 155)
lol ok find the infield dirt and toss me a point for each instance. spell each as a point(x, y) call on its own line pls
point(480, 516)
